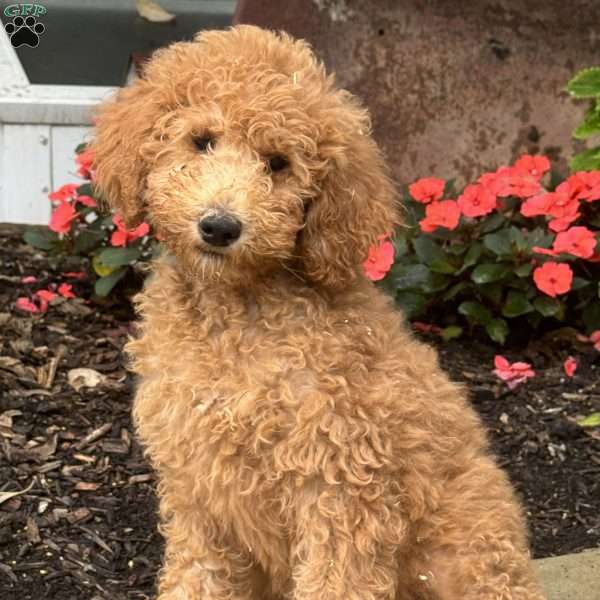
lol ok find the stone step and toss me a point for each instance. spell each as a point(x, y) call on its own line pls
point(572, 576)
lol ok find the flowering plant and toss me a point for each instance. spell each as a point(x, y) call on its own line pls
point(79, 227)
point(513, 247)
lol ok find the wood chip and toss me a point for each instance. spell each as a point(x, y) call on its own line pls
point(78, 515)
point(33, 531)
point(140, 478)
point(94, 435)
point(85, 486)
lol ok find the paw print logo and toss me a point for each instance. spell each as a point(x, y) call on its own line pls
point(24, 32)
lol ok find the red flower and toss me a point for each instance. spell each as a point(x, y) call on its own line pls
point(553, 278)
point(380, 259)
point(535, 166)
point(122, 236)
point(536, 205)
point(586, 185)
point(66, 290)
point(440, 214)
point(84, 162)
point(563, 223)
point(570, 366)
point(29, 279)
point(427, 189)
point(69, 192)
point(561, 204)
point(476, 201)
point(595, 339)
point(45, 297)
point(27, 305)
point(513, 374)
point(578, 241)
point(64, 193)
point(509, 181)
point(61, 218)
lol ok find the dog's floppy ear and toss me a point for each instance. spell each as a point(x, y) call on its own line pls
point(123, 126)
point(356, 203)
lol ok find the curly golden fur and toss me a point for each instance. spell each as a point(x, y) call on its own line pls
point(307, 446)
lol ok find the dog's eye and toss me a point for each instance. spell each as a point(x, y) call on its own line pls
point(277, 163)
point(205, 143)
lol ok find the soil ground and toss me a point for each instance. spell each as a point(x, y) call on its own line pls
point(84, 525)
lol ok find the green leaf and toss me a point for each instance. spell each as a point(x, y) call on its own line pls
point(592, 420)
point(492, 222)
point(492, 292)
point(85, 190)
point(450, 189)
point(590, 125)
point(591, 316)
point(497, 329)
point(517, 239)
point(487, 273)
point(524, 270)
point(87, 240)
point(456, 248)
point(432, 255)
point(579, 283)
point(588, 160)
point(451, 332)
point(475, 312)
point(415, 211)
point(539, 237)
point(400, 246)
point(405, 277)
point(411, 304)
point(436, 283)
point(40, 238)
point(104, 285)
point(546, 306)
point(499, 242)
point(472, 256)
point(586, 84)
point(117, 257)
point(81, 148)
point(516, 304)
point(456, 289)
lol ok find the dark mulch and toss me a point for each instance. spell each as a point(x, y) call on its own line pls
point(84, 524)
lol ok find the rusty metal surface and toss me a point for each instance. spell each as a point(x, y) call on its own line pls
point(454, 87)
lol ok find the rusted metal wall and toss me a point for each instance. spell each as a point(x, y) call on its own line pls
point(454, 87)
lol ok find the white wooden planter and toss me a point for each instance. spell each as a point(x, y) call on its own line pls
point(40, 126)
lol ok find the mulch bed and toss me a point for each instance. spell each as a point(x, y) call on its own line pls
point(84, 524)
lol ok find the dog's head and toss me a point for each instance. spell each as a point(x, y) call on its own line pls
point(242, 155)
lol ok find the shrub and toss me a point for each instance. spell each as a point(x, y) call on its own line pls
point(78, 227)
point(508, 250)
point(586, 85)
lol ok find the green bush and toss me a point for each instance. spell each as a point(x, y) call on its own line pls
point(586, 85)
point(508, 255)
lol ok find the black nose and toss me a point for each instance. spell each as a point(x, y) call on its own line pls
point(220, 230)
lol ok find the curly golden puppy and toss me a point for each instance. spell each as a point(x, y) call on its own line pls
point(308, 447)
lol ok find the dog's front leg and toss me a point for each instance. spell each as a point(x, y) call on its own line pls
point(346, 541)
point(202, 564)
point(474, 546)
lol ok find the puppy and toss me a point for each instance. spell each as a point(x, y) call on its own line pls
point(307, 446)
